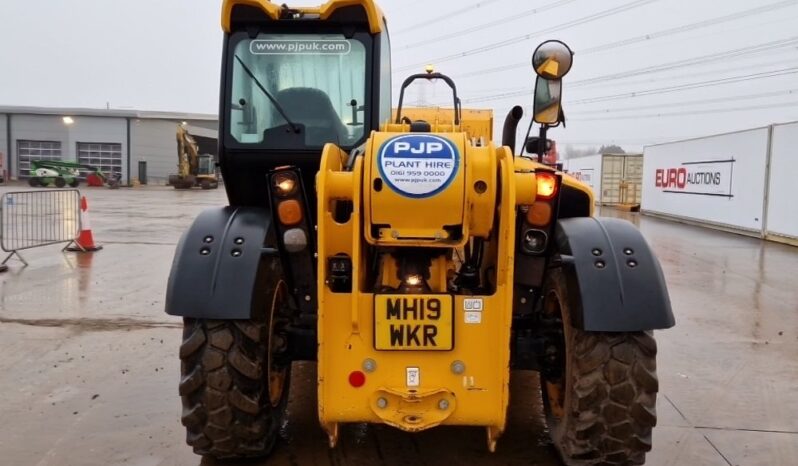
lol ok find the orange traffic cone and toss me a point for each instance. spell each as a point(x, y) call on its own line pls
point(84, 241)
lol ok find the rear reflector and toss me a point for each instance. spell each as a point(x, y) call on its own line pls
point(357, 379)
point(289, 212)
point(539, 214)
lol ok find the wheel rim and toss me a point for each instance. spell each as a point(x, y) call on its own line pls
point(277, 344)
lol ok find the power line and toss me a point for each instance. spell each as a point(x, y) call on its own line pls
point(781, 63)
point(690, 27)
point(483, 26)
point(699, 61)
point(705, 59)
point(693, 103)
point(514, 40)
point(450, 14)
point(689, 86)
point(760, 95)
point(496, 69)
point(691, 112)
point(661, 90)
point(646, 37)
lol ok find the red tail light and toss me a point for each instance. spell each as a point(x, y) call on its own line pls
point(547, 185)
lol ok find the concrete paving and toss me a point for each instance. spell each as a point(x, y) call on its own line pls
point(89, 367)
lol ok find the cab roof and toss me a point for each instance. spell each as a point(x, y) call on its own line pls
point(372, 14)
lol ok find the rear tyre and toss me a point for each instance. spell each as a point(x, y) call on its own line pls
point(60, 182)
point(34, 182)
point(234, 383)
point(600, 400)
point(74, 183)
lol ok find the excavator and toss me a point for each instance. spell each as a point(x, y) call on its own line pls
point(194, 169)
point(416, 261)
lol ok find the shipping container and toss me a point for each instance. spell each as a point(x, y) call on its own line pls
point(587, 170)
point(782, 208)
point(717, 181)
point(614, 178)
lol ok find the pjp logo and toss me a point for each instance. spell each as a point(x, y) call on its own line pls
point(418, 165)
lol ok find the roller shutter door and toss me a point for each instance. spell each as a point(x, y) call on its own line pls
point(35, 150)
point(105, 156)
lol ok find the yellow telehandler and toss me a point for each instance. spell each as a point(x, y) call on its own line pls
point(415, 260)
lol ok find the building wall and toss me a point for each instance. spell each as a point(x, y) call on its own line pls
point(151, 139)
point(4, 142)
point(53, 128)
point(211, 125)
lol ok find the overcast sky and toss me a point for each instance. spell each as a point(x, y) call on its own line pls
point(695, 67)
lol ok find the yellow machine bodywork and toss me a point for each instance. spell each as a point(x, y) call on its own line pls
point(523, 164)
point(463, 380)
point(274, 11)
point(476, 123)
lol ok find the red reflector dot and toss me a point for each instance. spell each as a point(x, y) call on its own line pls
point(357, 379)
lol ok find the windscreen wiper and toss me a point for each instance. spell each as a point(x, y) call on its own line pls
point(294, 127)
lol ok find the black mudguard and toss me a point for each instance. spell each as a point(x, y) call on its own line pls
point(618, 282)
point(220, 265)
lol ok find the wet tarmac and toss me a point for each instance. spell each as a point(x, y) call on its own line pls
point(89, 367)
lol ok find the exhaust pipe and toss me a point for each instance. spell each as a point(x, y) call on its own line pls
point(510, 127)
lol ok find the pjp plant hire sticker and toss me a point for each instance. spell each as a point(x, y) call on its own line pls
point(418, 165)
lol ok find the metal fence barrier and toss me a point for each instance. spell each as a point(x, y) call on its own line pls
point(31, 219)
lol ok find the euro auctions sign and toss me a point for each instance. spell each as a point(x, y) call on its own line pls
point(701, 178)
point(718, 180)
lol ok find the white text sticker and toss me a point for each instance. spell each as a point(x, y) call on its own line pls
point(472, 304)
point(413, 376)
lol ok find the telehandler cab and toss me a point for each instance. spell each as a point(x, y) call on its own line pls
point(416, 261)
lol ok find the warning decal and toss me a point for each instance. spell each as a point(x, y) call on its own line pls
point(418, 165)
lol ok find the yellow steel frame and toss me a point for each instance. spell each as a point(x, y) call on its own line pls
point(479, 395)
point(273, 10)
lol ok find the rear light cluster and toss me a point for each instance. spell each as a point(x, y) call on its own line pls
point(290, 212)
point(540, 215)
point(548, 184)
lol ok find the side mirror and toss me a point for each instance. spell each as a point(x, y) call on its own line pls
point(548, 95)
point(551, 61)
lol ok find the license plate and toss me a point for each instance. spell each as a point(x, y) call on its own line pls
point(408, 322)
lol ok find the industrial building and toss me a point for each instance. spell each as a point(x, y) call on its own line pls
point(138, 145)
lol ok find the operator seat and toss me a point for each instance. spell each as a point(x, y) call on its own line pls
point(313, 109)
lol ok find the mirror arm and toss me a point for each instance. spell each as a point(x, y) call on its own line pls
point(528, 132)
point(544, 129)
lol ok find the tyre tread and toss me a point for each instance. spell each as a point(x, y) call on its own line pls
point(610, 407)
point(226, 410)
point(614, 403)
